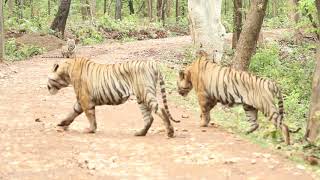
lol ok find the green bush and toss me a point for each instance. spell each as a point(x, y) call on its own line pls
point(16, 51)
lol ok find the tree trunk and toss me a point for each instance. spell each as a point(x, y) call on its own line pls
point(11, 7)
point(205, 26)
point(159, 9)
point(104, 6)
point(59, 22)
point(31, 9)
point(118, 9)
point(313, 126)
point(92, 8)
point(49, 7)
point(237, 22)
point(168, 7)
point(177, 11)
point(85, 9)
point(131, 9)
point(21, 7)
point(149, 6)
point(294, 14)
point(250, 34)
point(1, 32)
point(163, 12)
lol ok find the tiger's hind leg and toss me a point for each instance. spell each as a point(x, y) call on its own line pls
point(251, 114)
point(147, 118)
point(91, 115)
point(77, 110)
point(276, 119)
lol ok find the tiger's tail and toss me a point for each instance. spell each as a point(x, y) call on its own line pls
point(52, 57)
point(281, 112)
point(164, 98)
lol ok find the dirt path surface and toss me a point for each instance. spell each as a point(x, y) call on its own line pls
point(31, 148)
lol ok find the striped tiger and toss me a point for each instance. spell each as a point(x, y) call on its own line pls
point(111, 84)
point(67, 51)
point(216, 84)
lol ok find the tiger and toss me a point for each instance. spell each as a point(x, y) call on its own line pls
point(67, 51)
point(217, 84)
point(111, 84)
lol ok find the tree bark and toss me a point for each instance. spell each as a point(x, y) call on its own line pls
point(168, 7)
point(250, 34)
point(21, 7)
point(118, 9)
point(206, 28)
point(293, 11)
point(59, 22)
point(92, 8)
point(1, 32)
point(159, 9)
point(85, 9)
point(163, 12)
point(177, 11)
point(104, 6)
point(49, 7)
point(313, 125)
point(131, 9)
point(31, 9)
point(11, 7)
point(237, 22)
point(149, 6)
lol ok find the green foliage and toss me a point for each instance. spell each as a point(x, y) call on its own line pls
point(88, 35)
point(15, 51)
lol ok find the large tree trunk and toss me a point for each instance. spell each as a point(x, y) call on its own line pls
point(131, 9)
point(59, 22)
point(1, 33)
point(118, 9)
point(206, 27)
point(313, 126)
point(237, 22)
point(250, 34)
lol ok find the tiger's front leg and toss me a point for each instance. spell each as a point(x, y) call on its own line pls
point(206, 105)
point(77, 110)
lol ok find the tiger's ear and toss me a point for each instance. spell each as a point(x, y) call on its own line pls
point(55, 67)
point(181, 74)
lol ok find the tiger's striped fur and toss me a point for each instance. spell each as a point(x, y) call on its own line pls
point(111, 84)
point(216, 84)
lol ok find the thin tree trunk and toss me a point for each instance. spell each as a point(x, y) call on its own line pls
point(237, 22)
point(2, 53)
point(313, 126)
point(250, 34)
point(109, 7)
point(177, 11)
point(31, 9)
point(104, 6)
point(149, 6)
point(159, 9)
point(21, 7)
point(92, 8)
point(85, 9)
point(163, 12)
point(49, 7)
point(11, 7)
point(294, 15)
point(59, 22)
point(118, 9)
point(168, 7)
point(131, 9)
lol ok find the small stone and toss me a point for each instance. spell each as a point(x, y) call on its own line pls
point(37, 120)
point(185, 116)
point(257, 155)
point(253, 161)
point(203, 130)
point(301, 167)
point(184, 130)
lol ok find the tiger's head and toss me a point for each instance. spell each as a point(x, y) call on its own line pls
point(58, 78)
point(184, 82)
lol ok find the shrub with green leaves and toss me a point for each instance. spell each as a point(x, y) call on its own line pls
point(15, 51)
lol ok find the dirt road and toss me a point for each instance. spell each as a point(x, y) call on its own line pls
point(31, 148)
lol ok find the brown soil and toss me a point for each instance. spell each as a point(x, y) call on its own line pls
point(49, 42)
point(31, 148)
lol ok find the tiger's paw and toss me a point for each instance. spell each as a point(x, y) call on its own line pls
point(60, 128)
point(170, 132)
point(140, 133)
point(252, 129)
point(89, 130)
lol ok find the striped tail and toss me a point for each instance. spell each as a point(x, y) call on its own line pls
point(164, 98)
point(52, 57)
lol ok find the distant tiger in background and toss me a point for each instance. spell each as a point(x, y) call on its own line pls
point(67, 51)
point(214, 83)
point(111, 84)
